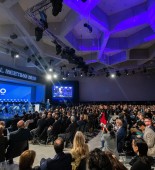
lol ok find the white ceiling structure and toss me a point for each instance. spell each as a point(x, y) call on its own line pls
point(122, 36)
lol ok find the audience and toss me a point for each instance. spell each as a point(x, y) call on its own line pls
point(142, 161)
point(127, 122)
point(3, 144)
point(61, 160)
point(79, 152)
point(26, 160)
point(149, 138)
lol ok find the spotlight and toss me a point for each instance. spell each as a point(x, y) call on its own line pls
point(64, 78)
point(48, 77)
point(50, 69)
point(55, 76)
point(81, 74)
point(112, 75)
point(38, 33)
point(16, 55)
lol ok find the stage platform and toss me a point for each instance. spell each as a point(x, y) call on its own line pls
point(7, 116)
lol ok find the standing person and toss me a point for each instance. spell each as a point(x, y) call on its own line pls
point(79, 152)
point(103, 119)
point(109, 141)
point(18, 141)
point(121, 134)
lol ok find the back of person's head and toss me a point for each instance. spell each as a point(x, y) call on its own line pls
point(1, 130)
point(59, 145)
point(26, 160)
point(115, 162)
point(79, 145)
point(140, 123)
point(2, 123)
point(21, 124)
point(109, 127)
point(98, 160)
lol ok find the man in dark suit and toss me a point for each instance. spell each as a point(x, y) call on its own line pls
point(18, 141)
point(55, 129)
point(61, 161)
point(121, 134)
point(40, 126)
point(70, 131)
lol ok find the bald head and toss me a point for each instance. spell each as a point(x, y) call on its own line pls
point(59, 145)
point(21, 124)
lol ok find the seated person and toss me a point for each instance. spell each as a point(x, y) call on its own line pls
point(98, 160)
point(79, 152)
point(61, 160)
point(26, 160)
point(70, 131)
point(3, 144)
point(142, 161)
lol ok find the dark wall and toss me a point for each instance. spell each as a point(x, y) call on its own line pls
point(124, 88)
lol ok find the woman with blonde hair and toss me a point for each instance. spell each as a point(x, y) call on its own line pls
point(79, 152)
point(26, 160)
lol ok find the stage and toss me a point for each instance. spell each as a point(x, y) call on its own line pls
point(8, 116)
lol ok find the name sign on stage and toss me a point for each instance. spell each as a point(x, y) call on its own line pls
point(6, 71)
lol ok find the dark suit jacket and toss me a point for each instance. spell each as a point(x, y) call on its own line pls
point(56, 128)
point(71, 130)
point(20, 135)
point(61, 161)
point(18, 142)
point(121, 134)
point(40, 126)
point(3, 146)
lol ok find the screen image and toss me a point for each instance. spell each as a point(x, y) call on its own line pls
point(14, 93)
point(62, 91)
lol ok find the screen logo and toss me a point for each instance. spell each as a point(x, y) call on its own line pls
point(2, 91)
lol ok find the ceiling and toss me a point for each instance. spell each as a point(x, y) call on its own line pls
point(118, 36)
